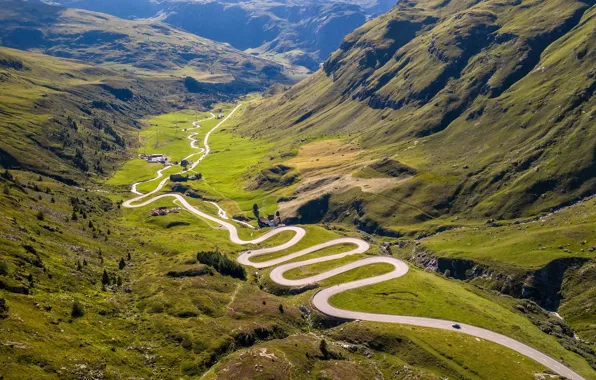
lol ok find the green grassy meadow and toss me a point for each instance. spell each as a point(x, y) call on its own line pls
point(568, 233)
point(420, 293)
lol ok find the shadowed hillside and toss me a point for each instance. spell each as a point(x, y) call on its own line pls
point(74, 121)
point(145, 47)
point(301, 33)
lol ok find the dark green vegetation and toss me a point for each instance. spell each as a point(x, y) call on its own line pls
point(223, 265)
point(148, 48)
point(301, 32)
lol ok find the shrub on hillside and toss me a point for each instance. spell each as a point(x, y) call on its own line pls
point(222, 264)
point(77, 310)
point(3, 268)
point(178, 178)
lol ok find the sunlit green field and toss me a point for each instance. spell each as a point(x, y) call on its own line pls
point(226, 170)
point(424, 294)
point(568, 233)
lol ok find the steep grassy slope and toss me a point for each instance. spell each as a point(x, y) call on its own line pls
point(147, 47)
point(550, 260)
point(68, 119)
point(428, 81)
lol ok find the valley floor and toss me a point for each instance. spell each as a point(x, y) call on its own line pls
point(193, 319)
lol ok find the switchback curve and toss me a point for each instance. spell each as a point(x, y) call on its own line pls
point(321, 299)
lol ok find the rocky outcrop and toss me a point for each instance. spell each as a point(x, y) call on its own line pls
point(542, 286)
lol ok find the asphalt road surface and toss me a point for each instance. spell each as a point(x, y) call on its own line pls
point(321, 298)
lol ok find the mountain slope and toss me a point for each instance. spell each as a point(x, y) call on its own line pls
point(147, 47)
point(301, 32)
point(427, 81)
point(73, 121)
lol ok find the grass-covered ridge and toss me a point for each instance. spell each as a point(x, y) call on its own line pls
point(69, 119)
point(489, 102)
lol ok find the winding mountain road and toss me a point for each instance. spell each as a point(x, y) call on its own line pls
point(321, 298)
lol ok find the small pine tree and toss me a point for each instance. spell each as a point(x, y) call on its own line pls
point(128, 257)
point(85, 262)
point(77, 310)
point(74, 216)
point(40, 215)
point(105, 279)
point(323, 348)
point(7, 175)
point(79, 265)
point(255, 210)
point(121, 264)
point(281, 308)
point(3, 268)
point(119, 281)
point(53, 200)
point(91, 224)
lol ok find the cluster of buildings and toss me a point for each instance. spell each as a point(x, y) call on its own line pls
point(155, 158)
point(161, 211)
point(270, 221)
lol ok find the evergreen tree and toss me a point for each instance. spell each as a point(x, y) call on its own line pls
point(119, 281)
point(121, 264)
point(105, 279)
point(255, 210)
point(324, 350)
point(74, 216)
point(128, 257)
point(77, 310)
point(281, 308)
